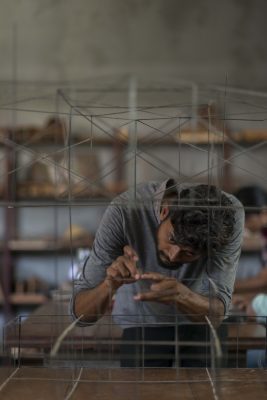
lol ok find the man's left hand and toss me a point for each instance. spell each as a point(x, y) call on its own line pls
point(164, 289)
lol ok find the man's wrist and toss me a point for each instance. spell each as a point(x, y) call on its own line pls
point(111, 285)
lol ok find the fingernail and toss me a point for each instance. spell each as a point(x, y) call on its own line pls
point(137, 297)
point(137, 276)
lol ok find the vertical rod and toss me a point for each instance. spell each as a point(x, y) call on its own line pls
point(133, 132)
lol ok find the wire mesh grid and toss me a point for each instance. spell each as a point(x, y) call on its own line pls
point(128, 132)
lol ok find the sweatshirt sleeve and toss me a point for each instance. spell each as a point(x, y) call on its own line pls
point(108, 245)
point(222, 266)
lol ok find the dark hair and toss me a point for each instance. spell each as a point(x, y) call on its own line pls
point(252, 196)
point(205, 220)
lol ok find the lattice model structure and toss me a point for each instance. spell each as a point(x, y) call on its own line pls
point(95, 142)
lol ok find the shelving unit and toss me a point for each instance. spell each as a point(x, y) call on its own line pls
point(29, 194)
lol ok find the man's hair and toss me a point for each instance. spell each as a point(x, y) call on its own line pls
point(203, 218)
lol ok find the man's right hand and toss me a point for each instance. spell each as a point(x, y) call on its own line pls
point(124, 269)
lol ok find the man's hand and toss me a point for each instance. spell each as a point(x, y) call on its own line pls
point(124, 269)
point(168, 290)
point(163, 289)
point(243, 303)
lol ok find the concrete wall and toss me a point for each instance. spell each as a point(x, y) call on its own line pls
point(71, 40)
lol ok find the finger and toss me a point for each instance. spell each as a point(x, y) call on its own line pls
point(166, 299)
point(125, 270)
point(117, 275)
point(155, 296)
point(154, 276)
point(130, 252)
point(113, 273)
point(131, 266)
point(118, 270)
point(164, 285)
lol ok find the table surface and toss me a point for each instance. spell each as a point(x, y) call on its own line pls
point(136, 384)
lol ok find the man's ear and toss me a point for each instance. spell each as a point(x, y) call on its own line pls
point(164, 212)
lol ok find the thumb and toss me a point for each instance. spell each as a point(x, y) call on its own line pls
point(130, 252)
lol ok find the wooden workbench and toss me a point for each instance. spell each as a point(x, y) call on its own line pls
point(150, 384)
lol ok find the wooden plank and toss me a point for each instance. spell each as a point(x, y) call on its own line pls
point(184, 384)
point(27, 298)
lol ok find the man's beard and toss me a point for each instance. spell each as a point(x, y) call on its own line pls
point(167, 264)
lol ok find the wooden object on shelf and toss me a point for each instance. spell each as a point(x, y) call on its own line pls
point(36, 285)
point(115, 188)
point(32, 190)
point(200, 137)
point(250, 135)
point(49, 177)
point(19, 287)
point(77, 236)
point(81, 190)
point(35, 190)
point(38, 173)
point(199, 134)
point(31, 244)
point(29, 291)
point(27, 298)
point(53, 131)
point(39, 245)
point(196, 136)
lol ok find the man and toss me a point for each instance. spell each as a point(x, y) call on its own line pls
point(170, 255)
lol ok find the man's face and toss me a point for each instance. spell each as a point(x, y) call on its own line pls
point(172, 255)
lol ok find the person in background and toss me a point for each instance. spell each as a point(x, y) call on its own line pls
point(256, 310)
point(252, 272)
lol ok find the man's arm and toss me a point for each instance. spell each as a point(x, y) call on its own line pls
point(170, 291)
point(93, 303)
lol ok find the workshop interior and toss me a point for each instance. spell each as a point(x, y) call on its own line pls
point(111, 113)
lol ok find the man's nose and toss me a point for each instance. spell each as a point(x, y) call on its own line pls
point(174, 252)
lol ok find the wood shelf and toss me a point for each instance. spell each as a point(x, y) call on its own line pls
point(42, 137)
point(53, 191)
point(42, 245)
point(27, 298)
point(40, 192)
